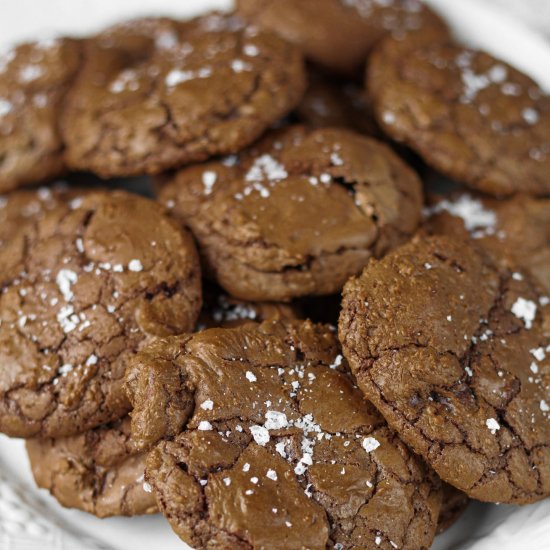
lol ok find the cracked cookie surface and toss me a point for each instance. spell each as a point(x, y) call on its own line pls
point(339, 34)
point(93, 280)
point(34, 78)
point(219, 311)
point(275, 446)
point(455, 353)
point(298, 213)
point(156, 94)
point(474, 118)
point(20, 207)
point(99, 471)
point(515, 231)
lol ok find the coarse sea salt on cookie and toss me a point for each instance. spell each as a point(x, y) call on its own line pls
point(346, 198)
point(184, 91)
point(483, 123)
point(471, 391)
point(74, 315)
point(283, 453)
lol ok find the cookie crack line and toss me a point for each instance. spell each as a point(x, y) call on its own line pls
point(436, 447)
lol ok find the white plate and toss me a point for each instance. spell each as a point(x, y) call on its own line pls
point(29, 518)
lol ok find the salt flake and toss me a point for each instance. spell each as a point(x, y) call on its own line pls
point(208, 180)
point(271, 474)
point(135, 265)
point(5, 107)
point(250, 376)
point(207, 405)
point(260, 435)
point(526, 310)
point(470, 210)
point(493, 425)
point(275, 420)
point(65, 278)
point(370, 444)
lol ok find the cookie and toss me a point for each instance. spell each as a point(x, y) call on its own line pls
point(297, 213)
point(453, 504)
point(96, 278)
point(34, 78)
point(195, 89)
point(467, 114)
point(339, 34)
point(336, 103)
point(98, 472)
point(455, 353)
point(515, 231)
point(20, 207)
point(221, 310)
point(275, 447)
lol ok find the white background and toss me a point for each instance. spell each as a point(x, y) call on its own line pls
point(25, 18)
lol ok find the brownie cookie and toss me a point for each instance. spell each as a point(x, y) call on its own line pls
point(98, 471)
point(470, 116)
point(34, 78)
point(96, 278)
point(335, 103)
point(297, 213)
point(195, 89)
point(455, 353)
point(515, 231)
point(339, 34)
point(275, 447)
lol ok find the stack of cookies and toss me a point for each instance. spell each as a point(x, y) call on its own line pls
point(299, 342)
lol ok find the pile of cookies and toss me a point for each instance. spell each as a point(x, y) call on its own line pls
point(299, 342)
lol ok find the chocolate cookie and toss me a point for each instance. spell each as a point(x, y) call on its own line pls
point(275, 447)
point(96, 278)
point(470, 116)
point(98, 471)
point(297, 213)
point(194, 89)
point(333, 103)
point(339, 34)
point(455, 353)
point(34, 78)
point(515, 231)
